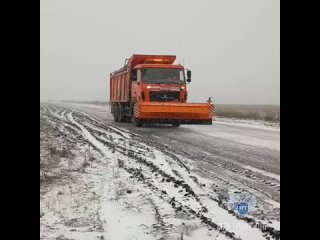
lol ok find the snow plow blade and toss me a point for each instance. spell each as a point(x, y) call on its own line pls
point(183, 113)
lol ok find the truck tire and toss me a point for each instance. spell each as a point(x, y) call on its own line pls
point(137, 123)
point(116, 117)
point(175, 124)
point(115, 113)
point(127, 119)
point(120, 116)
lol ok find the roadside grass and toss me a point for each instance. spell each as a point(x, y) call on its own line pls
point(269, 113)
point(52, 151)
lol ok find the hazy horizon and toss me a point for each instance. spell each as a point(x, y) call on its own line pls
point(232, 47)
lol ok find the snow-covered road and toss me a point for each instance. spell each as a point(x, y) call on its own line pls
point(160, 182)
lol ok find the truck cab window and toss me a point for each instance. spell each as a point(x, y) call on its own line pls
point(163, 75)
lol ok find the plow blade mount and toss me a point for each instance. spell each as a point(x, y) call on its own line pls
point(183, 113)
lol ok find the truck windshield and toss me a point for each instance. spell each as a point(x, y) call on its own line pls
point(163, 75)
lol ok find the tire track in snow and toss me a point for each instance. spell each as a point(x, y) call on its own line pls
point(238, 174)
point(84, 127)
point(99, 145)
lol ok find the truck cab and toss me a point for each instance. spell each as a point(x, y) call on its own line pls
point(159, 83)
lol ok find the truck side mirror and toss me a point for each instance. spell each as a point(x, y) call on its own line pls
point(188, 76)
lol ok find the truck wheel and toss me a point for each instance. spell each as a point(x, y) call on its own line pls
point(115, 114)
point(128, 119)
point(138, 124)
point(120, 117)
point(175, 124)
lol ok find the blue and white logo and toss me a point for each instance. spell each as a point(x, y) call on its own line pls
point(242, 203)
point(243, 208)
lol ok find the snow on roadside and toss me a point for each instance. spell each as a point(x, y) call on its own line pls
point(248, 123)
point(69, 200)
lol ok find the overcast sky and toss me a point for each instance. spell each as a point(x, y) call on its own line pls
point(231, 46)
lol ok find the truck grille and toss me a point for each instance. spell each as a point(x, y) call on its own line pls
point(164, 96)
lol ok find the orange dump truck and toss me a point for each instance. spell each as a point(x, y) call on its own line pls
point(151, 89)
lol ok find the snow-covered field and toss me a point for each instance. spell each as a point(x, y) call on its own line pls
point(101, 180)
